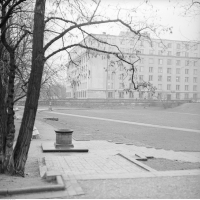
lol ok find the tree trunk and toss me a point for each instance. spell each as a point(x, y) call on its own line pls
point(8, 162)
point(7, 123)
point(3, 122)
point(2, 109)
point(25, 133)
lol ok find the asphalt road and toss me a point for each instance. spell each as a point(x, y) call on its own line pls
point(138, 134)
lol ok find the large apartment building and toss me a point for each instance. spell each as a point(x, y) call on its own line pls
point(173, 67)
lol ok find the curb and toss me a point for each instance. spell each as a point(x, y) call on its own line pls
point(59, 186)
point(129, 158)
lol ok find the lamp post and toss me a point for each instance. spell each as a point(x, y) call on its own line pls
point(107, 78)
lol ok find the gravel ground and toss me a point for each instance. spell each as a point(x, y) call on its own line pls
point(142, 188)
point(160, 164)
point(91, 129)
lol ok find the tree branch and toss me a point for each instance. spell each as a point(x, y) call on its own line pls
point(9, 12)
point(88, 24)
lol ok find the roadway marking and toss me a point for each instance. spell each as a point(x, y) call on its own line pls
point(128, 122)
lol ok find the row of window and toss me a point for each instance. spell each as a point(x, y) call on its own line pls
point(170, 45)
point(177, 62)
point(169, 87)
point(81, 94)
point(161, 52)
point(186, 96)
point(121, 86)
point(169, 70)
point(141, 95)
point(169, 78)
point(160, 70)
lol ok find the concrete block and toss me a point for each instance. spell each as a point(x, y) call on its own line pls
point(51, 175)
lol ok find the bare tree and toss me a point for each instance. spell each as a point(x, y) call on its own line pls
point(12, 33)
point(65, 29)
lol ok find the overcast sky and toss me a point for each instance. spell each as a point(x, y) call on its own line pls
point(169, 13)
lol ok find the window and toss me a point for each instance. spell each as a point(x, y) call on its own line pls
point(178, 46)
point(186, 87)
point(110, 76)
point(142, 60)
point(131, 86)
point(150, 77)
point(159, 95)
point(169, 45)
point(169, 78)
point(149, 95)
point(131, 94)
point(150, 69)
point(187, 79)
point(187, 62)
point(187, 46)
point(141, 51)
point(195, 80)
point(121, 76)
point(121, 95)
point(160, 78)
point(195, 54)
point(151, 52)
point(150, 60)
point(168, 87)
point(140, 95)
point(186, 96)
point(178, 70)
point(110, 85)
point(160, 86)
point(121, 85)
point(141, 69)
point(186, 54)
point(160, 52)
point(195, 71)
point(141, 78)
point(121, 68)
point(169, 61)
point(160, 61)
point(160, 69)
point(169, 53)
point(178, 62)
point(178, 53)
point(194, 87)
point(195, 63)
point(195, 47)
point(195, 95)
point(178, 79)
point(186, 71)
point(141, 43)
point(152, 44)
point(177, 95)
point(177, 87)
point(110, 95)
point(169, 70)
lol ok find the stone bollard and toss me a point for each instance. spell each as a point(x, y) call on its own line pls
point(64, 138)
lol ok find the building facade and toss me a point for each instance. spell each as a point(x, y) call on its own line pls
point(173, 67)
